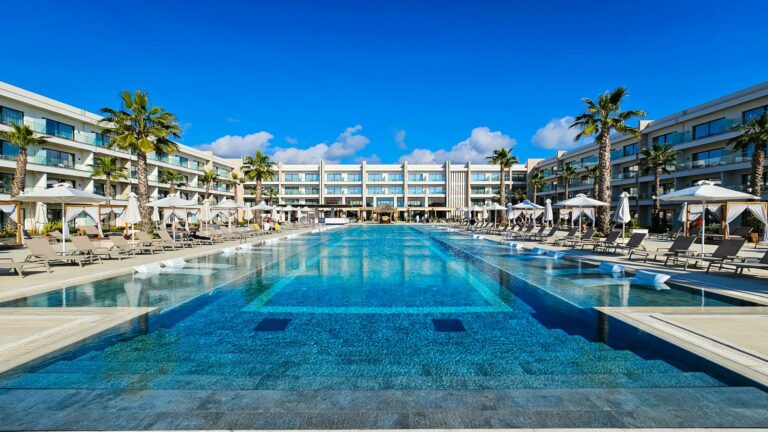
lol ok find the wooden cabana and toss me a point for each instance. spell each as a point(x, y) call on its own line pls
point(384, 213)
point(13, 211)
point(728, 211)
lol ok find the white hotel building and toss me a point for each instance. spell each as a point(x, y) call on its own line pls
point(699, 133)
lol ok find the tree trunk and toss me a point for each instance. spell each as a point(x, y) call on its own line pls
point(208, 191)
point(567, 189)
point(172, 188)
point(535, 192)
point(143, 183)
point(656, 202)
point(502, 196)
point(257, 192)
point(20, 176)
point(758, 162)
point(603, 222)
point(108, 188)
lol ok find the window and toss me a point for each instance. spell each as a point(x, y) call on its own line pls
point(375, 190)
point(334, 177)
point(478, 176)
point(415, 203)
point(311, 177)
point(706, 158)
point(6, 182)
point(519, 177)
point(312, 190)
point(478, 190)
point(333, 190)
point(180, 161)
point(435, 177)
point(396, 190)
point(589, 161)
point(59, 129)
point(11, 116)
point(8, 151)
point(356, 177)
point(416, 177)
point(416, 190)
point(291, 177)
point(389, 201)
point(709, 128)
point(437, 190)
point(59, 158)
point(100, 140)
point(395, 177)
point(355, 190)
point(667, 138)
point(495, 176)
point(292, 191)
point(375, 177)
point(629, 150)
point(746, 115)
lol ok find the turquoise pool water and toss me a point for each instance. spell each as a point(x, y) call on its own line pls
point(371, 327)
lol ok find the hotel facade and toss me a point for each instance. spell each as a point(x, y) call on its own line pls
point(700, 134)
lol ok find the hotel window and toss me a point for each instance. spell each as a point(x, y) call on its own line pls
point(434, 177)
point(333, 190)
point(746, 115)
point(519, 177)
point(59, 158)
point(8, 151)
point(416, 190)
point(478, 190)
point(356, 177)
point(418, 203)
point(667, 138)
point(100, 140)
point(292, 191)
point(709, 128)
point(478, 176)
point(311, 190)
point(708, 156)
point(629, 150)
point(437, 190)
point(395, 177)
point(375, 177)
point(396, 190)
point(416, 177)
point(11, 116)
point(59, 129)
point(311, 177)
point(375, 190)
point(6, 182)
point(291, 177)
point(495, 176)
point(335, 177)
point(355, 190)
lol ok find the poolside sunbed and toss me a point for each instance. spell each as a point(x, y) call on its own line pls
point(10, 264)
point(41, 251)
point(679, 247)
point(85, 246)
point(739, 267)
point(727, 250)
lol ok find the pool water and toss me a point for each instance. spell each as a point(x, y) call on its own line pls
point(375, 327)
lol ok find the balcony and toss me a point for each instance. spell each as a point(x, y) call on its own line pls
point(89, 138)
point(624, 175)
point(727, 159)
point(722, 127)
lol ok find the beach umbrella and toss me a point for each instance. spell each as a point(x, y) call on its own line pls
point(205, 214)
point(62, 193)
point(248, 213)
point(580, 202)
point(496, 207)
point(173, 202)
point(622, 212)
point(703, 192)
point(548, 214)
point(230, 207)
point(155, 216)
point(525, 206)
point(41, 216)
point(132, 215)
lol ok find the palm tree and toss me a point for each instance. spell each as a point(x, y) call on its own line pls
point(258, 168)
point(536, 182)
point(600, 119)
point(504, 159)
point(661, 159)
point(208, 178)
point(567, 174)
point(593, 173)
point(173, 178)
point(270, 193)
point(519, 194)
point(141, 128)
point(109, 168)
point(23, 137)
point(754, 131)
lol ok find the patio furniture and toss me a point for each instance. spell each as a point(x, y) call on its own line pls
point(611, 240)
point(10, 264)
point(739, 267)
point(166, 239)
point(728, 250)
point(86, 247)
point(635, 242)
point(40, 251)
point(121, 244)
point(680, 246)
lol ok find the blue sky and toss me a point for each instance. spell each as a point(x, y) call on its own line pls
point(427, 81)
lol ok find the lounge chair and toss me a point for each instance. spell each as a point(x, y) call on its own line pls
point(671, 235)
point(90, 231)
point(42, 251)
point(635, 242)
point(10, 264)
point(85, 247)
point(727, 250)
point(679, 247)
point(119, 243)
point(535, 235)
point(575, 241)
point(545, 236)
point(166, 239)
point(611, 240)
point(571, 234)
point(740, 232)
point(739, 267)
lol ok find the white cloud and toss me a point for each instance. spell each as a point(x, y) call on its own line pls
point(347, 144)
point(236, 146)
point(372, 159)
point(557, 134)
point(291, 140)
point(480, 144)
point(400, 139)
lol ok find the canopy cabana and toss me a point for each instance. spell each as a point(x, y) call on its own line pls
point(12, 210)
point(581, 204)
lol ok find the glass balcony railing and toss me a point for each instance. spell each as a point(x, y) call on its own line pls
point(624, 175)
point(742, 187)
point(722, 127)
point(727, 159)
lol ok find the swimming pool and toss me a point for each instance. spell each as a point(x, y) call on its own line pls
point(372, 327)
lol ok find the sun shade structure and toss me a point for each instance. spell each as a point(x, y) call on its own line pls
point(229, 206)
point(524, 207)
point(548, 214)
point(622, 212)
point(702, 192)
point(41, 216)
point(173, 202)
point(62, 193)
point(132, 215)
point(581, 202)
